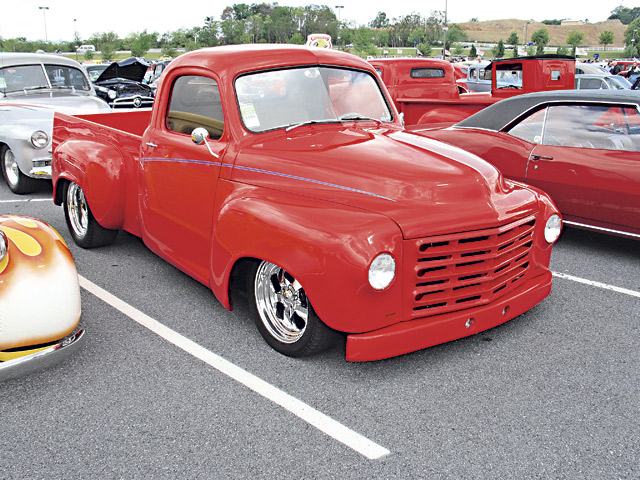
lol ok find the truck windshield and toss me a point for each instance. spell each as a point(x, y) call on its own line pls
point(292, 97)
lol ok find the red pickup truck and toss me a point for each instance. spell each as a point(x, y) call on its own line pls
point(433, 98)
point(285, 172)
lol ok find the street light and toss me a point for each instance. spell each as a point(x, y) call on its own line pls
point(339, 7)
point(44, 13)
point(445, 28)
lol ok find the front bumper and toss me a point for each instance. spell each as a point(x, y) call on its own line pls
point(425, 332)
point(42, 359)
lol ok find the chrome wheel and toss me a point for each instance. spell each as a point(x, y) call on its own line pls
point(281, 302)
point(11, 170)
point(77, 211)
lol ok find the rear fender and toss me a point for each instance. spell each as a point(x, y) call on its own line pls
point(98, 168)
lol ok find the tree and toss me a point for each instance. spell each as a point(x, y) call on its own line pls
point(574, 39)
point(540, 38)
point(473, 53)
point(513, 39)
point(606, 38)
point(498, 50)
point(381, 21)
point(631, 38)
point(139, 44)
point(562, 50)
point(624, 14)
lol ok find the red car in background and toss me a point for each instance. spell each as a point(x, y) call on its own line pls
point(582, 148)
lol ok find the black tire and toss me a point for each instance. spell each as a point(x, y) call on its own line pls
point(85, 230)
point(283, 314)
point(17, 181)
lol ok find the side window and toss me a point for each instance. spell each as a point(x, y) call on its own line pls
point(530, 129)
point(195, 102)
point(473, 73)
point(593, 126)
point(509, 75)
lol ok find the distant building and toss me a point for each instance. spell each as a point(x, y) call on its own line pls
point(572, 22)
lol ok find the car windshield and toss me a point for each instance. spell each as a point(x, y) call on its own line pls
point(25, 78)
point(95, 71)
point(294, 97)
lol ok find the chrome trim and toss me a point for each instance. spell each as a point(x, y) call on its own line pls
point(602, 229)
point(42, 360)
point(41, 172)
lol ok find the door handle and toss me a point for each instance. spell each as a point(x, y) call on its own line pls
point(536, 157)
point(149, 144)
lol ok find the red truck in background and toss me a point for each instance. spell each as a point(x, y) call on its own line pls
point(434, 99)
point(285, 172)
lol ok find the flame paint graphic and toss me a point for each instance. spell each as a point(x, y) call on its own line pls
point(39, 291)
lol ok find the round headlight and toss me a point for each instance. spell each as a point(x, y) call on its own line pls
point(3, 245)
point(382, 271)
point(552, 228)
point(39, 139)
point(112, 94)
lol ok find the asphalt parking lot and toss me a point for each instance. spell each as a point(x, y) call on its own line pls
point(169, 384)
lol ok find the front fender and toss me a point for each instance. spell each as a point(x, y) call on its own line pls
point(327, 247)
point(98, 168)
point(18, 138)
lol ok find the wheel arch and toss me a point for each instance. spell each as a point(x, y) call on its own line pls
point(314, 241)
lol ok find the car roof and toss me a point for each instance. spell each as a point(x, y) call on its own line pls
point(17, 58)
point(502, 113)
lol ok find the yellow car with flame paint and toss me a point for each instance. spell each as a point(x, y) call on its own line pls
point(39, 297)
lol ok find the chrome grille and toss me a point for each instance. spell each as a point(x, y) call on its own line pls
point(463, 270)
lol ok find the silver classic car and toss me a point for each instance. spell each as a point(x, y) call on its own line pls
point(33, 87)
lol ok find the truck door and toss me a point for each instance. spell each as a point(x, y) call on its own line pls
point(179, 178)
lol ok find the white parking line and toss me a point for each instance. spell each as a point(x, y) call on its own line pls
point(322, 422)
point(20, 200)
point(605, 286)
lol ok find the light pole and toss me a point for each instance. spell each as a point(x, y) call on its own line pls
point(75, 36)
point(44, 13)
point(339, 7)
point(445, 28)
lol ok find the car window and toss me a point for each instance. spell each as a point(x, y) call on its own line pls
point(530, 128)
point(195, 102)
point(593, 126)
point(22, 77)
point(427, 73)
point(65, 76)
point(591, 84)
point(509, 75)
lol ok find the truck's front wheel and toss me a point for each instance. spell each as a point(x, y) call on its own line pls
point(84, 228)
point(283, 313)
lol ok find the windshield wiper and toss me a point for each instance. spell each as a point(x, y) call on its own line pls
point(41, 87)
point(309, 122)
point(348, 117)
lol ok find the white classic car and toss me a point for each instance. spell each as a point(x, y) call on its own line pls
point(33, 87)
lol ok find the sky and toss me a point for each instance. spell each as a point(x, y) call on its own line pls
point(64, 17)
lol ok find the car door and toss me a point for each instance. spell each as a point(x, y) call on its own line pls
point(588, 161)
point(179, 178)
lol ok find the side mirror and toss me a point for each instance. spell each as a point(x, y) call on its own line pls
point(199, 135)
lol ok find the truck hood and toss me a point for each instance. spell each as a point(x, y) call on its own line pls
point(63, 102)
point(425, 186)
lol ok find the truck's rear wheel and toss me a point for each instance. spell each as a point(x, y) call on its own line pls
point(84, 228)
point(283, 314)
point(17, 181)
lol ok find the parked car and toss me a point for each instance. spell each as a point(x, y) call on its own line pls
point(120, 84)
point(581, 147)
point(590, 68)
point(479, 77)
point(39, 297)
point(32, 87)
point(602, 82)
point(94, 70)
point(284, 172)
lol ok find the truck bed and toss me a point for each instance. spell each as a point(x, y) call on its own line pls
point(134, 122)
